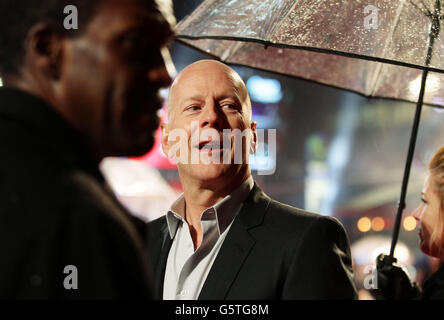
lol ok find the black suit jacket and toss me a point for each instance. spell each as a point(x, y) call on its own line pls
point(56, 210)
point(272, 251)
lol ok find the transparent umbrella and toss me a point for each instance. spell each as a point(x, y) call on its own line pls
point(389, 49)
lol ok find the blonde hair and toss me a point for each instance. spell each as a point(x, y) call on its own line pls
point(436, 170)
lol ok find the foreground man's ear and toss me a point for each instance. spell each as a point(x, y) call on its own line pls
point(44, 51)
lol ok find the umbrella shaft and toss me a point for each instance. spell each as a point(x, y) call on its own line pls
point(411, 151)
point(435, 29)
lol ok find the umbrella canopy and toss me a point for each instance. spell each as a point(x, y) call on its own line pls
point(389, 49)
point(297, 37)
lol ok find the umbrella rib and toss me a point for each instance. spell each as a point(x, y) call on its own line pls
point(424, 10)
point(387, 43)
point(229, 51)
point(272, 33)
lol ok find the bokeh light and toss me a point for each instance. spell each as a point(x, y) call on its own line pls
point(264, 90)
point(364, 224)
point(378, 224)
point(409, 223)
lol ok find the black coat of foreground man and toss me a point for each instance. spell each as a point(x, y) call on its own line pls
point(224, 238)
point(72, 97)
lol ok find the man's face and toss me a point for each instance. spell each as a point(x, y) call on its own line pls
point(111, 76)
point(206, 99)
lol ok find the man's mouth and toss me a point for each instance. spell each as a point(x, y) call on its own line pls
point(144, 115)
point(146, 122)
point(209, 145)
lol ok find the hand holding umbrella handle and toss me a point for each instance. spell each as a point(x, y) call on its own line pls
point(393, 282)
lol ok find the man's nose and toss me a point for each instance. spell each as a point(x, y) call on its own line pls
point(164, 72)
point(211, 116)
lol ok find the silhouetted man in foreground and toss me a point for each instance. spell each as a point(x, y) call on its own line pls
point(72, 97)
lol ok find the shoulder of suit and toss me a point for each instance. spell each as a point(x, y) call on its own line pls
point(94, 202)
point(288, 212)
point(85, 188)
point(157, 224)
point(83, 197)
point(288, 216)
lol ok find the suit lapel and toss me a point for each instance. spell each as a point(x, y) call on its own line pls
point(162, 256)
point(236, 247)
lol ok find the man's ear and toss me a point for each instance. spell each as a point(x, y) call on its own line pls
point(44, 50)
point(253, 143)
point(164, 139)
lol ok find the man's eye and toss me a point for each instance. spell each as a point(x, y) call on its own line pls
point(229, 106)
point(132, 39)
point(138, 45)
point(193, 108)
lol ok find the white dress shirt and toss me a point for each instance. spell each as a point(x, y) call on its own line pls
point(186, 269)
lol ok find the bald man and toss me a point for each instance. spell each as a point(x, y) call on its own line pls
point(224, 238)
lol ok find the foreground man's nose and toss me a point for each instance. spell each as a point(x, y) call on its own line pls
point(165, 72)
